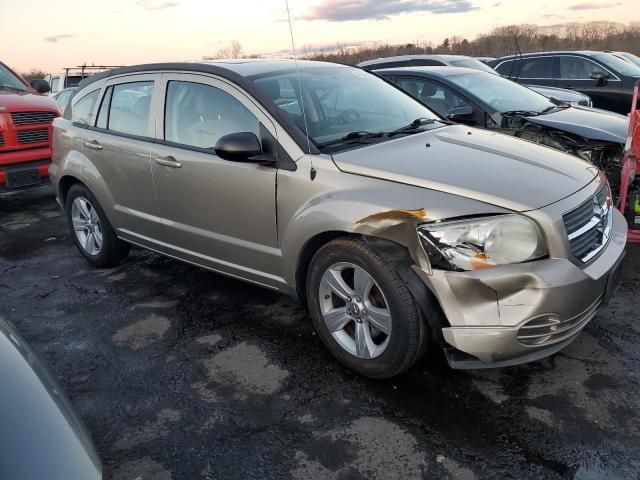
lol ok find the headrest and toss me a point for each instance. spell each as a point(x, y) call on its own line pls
point(271, 88)
point(141, 107)
point(411, 87)
point(428, 90)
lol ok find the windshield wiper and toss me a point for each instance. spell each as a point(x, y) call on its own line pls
point(522, 113)
point(551, 107)
point(352, 137)
point(413, 127)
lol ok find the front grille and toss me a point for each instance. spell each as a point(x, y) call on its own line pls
point(32, 118)
point(33, 136)
point(1, 140)
point(589, 225)
point(550, 329)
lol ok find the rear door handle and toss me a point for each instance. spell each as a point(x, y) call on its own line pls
point(168, 162)
point(93, 145)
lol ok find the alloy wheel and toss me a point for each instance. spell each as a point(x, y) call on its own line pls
point(355, 310)
point(86, 225)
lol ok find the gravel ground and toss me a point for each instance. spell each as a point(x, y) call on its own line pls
point(183, 374)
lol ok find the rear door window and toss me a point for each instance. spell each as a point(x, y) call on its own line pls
point(83, 109)
point(129, 108)
point(540, 67)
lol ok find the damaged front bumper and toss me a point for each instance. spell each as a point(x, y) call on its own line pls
point(519, 313)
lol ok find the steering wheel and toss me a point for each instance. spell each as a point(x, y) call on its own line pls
point(344, 117)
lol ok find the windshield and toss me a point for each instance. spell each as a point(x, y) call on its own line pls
point(502, 94)
point(10, 80)
point(631, 58)
point(472, 63)
point(340, 101)
point(621, 66)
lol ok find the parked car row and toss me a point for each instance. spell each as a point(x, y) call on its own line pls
point(387, 203)
point(481, 99)
point(401, 218)
point(557, 94)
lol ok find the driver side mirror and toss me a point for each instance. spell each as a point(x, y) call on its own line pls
point(40, 86)
point(242, 147)
point(462, 114)
point(600, 77)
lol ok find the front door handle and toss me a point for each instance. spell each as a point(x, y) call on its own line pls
point(93, 145)
point(168, 162)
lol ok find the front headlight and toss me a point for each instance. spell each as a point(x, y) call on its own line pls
point(482, 242)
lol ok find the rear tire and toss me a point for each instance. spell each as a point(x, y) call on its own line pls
point(91, 230)
point(363, 311)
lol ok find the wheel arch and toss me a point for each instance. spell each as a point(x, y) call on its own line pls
point(308, 251)
point(64, 185)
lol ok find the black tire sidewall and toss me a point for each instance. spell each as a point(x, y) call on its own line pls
point(405, 331)
point(110, 244)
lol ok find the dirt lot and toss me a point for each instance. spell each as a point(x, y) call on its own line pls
point(183, 374)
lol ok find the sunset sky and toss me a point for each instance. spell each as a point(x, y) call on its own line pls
point(50, 35)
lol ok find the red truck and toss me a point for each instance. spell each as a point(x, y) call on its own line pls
point(26, 117)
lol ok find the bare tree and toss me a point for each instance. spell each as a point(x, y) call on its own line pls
point(33, 74)
point(233, 50)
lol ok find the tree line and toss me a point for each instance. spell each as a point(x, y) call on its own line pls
point(502, 41)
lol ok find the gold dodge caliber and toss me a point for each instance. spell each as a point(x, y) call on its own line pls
point(399, 230)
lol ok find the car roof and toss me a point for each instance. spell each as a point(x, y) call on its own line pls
point(399, 58)
point(248, 67)
point(585, 53)
point(241, 67)
point(435, 71)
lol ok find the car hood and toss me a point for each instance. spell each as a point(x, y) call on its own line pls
point(587, 122)
point(41, 437)
point(477, 164)
point(16, 101)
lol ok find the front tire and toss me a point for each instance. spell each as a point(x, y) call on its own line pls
point(363, 311)
point(91, 230)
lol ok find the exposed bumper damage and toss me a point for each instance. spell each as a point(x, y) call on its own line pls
point(503, 315)
point(517, 313)
point(398, 226)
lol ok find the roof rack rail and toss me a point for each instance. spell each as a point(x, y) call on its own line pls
point(89, 68)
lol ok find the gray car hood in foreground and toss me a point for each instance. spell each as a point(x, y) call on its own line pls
point(590, 123)
point(472, 163)
point(41, 438)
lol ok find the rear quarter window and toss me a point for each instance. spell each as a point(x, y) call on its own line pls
point(82, 111)
point(508, 68)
